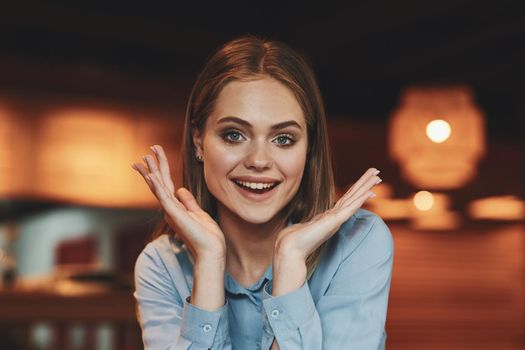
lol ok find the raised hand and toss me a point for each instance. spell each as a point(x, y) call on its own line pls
point(295, 242)
point(194, 226)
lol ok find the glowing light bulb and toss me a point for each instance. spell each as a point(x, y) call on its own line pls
point(423, 200)
point(438, 130)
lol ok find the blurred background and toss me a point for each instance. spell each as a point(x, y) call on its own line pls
point(430, 93)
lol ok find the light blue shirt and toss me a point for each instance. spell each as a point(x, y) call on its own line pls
point(343, 305)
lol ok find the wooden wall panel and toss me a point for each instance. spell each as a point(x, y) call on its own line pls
point(461, 289)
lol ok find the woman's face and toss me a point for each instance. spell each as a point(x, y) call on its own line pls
point(254, 148)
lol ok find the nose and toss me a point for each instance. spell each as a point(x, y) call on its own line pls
point(258, 156)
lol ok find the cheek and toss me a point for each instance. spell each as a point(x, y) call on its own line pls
point(219, 160)
point(292, 166)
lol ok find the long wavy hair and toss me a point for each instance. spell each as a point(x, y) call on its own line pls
point(249, 58)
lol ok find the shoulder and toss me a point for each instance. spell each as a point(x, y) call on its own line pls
point(154, 251)
point(159, 257)
point(365, 232)
point(358, 258)
point(151, 260)
point(160, 266)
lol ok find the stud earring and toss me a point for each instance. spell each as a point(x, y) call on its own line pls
point(199, 158)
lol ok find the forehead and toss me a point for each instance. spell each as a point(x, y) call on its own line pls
point(264, 101)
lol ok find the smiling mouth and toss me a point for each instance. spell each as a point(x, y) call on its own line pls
point(257, 188)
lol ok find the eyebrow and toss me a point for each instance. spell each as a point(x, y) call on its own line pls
point(277, 126)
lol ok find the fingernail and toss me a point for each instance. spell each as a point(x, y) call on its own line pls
point(372, 195)
point(145, 159)
point(376, 172)
point(148, 177)
point(378, 181)
point(133, 166)
point(153, 148)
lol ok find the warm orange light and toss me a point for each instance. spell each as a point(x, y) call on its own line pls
point(423, 200)
point(497, 208)
point(84, 155)
point(386, 206)
point(431, 212)
point(438, 130)
point(16, 139)
point(81, 155)
point(418, 131)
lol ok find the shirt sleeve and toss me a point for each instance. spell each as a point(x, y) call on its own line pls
point(167, 321)
point(351, 314)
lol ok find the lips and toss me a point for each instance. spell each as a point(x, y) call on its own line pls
point(257, 179)
point(256, 187)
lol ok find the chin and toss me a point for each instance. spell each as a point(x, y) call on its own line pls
point(257, 216)
point(252, 215)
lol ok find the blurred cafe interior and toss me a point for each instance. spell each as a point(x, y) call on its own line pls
point(430, 93)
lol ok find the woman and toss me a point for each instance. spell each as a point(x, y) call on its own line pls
point(256, 254)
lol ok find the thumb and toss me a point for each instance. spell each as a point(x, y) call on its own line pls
point(187, 199)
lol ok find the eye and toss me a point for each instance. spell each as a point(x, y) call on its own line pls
point(285, 140)
point(232, 136)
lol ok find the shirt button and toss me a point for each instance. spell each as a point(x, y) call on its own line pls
point(275, 313)
point(206, 328)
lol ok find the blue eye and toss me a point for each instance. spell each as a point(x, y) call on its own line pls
point(285, 140)
point(232, 136)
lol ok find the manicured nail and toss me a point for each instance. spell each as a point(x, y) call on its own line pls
point(376, 172)
point(378, 181)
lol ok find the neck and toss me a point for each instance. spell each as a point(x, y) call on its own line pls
point(249, 246)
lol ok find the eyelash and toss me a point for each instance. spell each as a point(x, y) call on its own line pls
point(228, 133)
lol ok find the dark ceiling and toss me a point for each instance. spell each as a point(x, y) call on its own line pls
point(363, 52)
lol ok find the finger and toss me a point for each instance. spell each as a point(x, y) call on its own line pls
point(170, 204)
point(141, 169)
point(370, 173)
point(367, 186)
point(369, 178)
point(163, 167)
point(148, 177)
point(163, 187)
point(173, 209)
point(351, 207)
point(152, 166)
point(188, 200)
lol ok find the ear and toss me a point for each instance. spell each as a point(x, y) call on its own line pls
point(197, 141)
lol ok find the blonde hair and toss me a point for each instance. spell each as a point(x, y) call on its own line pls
point(249, 58)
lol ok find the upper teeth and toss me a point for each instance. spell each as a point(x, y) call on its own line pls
point(255, 185)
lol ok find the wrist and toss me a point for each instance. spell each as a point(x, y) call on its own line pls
point(208, 285)
point(288, 275)
point(210, 265)
point(211, 260)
